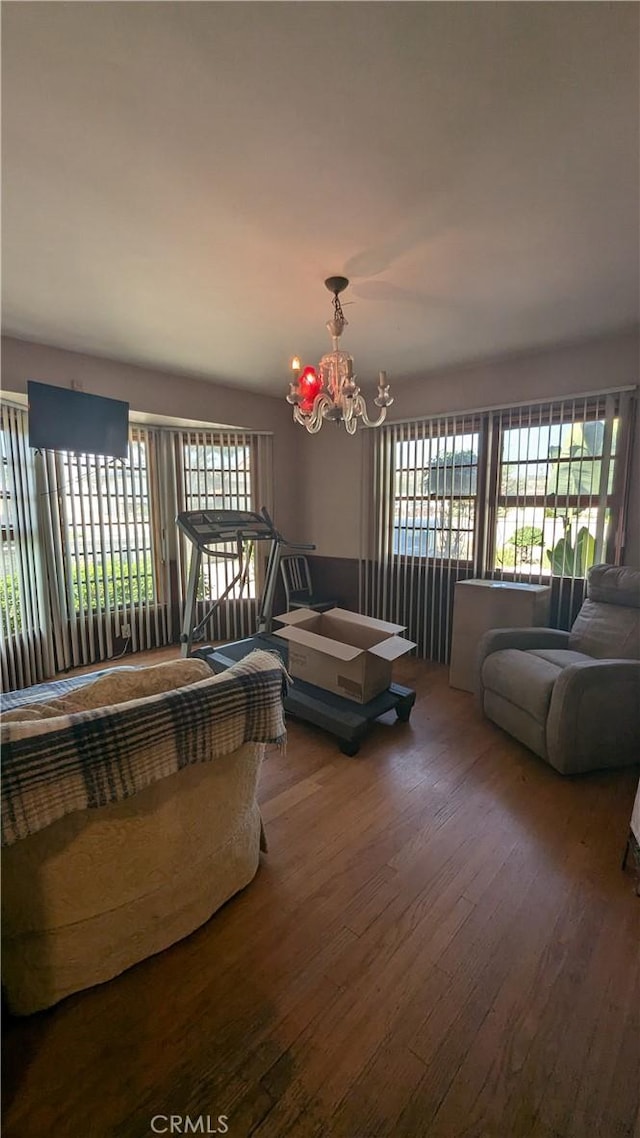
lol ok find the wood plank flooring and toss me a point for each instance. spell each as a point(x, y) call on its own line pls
point(439, 944)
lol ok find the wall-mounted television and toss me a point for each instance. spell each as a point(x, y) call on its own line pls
point(63, 419)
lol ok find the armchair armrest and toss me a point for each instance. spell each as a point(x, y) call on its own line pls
point(523, 638)
point(594, 716)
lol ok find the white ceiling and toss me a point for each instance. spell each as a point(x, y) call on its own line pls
point(179, 179)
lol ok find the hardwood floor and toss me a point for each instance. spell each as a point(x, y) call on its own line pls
point(440, 943)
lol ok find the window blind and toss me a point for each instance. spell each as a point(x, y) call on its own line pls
point(533, 493)
point(224, 470)
point(25, 653)
point(91, 564)
point(106, 569)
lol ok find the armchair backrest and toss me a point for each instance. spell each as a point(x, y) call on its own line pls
point(608, 624)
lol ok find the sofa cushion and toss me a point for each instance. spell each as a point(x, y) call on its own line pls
point(561, 657)
point(525, 679)
point(606, 631)
point(117, 686)
point(30, 711)
point(136, 683)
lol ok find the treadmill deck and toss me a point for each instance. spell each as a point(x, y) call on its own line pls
point(346, 720)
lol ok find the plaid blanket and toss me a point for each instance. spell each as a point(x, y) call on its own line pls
point(52, 767)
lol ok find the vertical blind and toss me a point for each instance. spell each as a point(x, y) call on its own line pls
point(91, 564)
point(106, 566)
point(24, 612)
point(530, 494)
point(224, 470)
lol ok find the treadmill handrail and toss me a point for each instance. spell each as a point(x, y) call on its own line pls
point(206, 528)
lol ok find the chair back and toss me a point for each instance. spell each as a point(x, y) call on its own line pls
point(296, 577)
point(608, 624)
point(298, 588)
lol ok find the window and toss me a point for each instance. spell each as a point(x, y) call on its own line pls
point(90, 560)
point(104, 558)
point(106, 533)
point(9, 552)
point(555, 487)
point(532, 494)
point(24, 613)
point(436, 484)
point(216, 470)
point(225, 470)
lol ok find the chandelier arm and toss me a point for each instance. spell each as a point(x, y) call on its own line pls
point(307, 421)
point(362, 411)
point(314, 418)
point(321, 404)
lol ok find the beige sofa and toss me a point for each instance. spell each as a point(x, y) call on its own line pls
point(97, 890)
point(572, 697)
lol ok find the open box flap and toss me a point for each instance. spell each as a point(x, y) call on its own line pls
point(392, 648)
point(297, 616)
point(302, 616)
point(323, 644)
point(366, 621)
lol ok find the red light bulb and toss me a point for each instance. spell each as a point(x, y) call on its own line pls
point(309, 385)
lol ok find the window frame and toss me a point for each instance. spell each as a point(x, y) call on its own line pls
point(453, 430)
point(594, 409)
point(68, 466)
point(490, 426)
point(222, 440)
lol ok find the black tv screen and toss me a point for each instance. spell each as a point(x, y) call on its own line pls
point(63, 419)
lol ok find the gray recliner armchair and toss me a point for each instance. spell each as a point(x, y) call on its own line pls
point(572, 697)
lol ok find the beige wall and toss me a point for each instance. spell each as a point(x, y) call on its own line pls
point(319, 478)
point(332, 516)
point(176, 396)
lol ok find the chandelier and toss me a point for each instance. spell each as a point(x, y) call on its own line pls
point(330, 392)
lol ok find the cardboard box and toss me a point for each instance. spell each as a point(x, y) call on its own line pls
point(342, 651)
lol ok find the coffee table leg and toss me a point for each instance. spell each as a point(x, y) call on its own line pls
point(349, 747)
point(403, 710)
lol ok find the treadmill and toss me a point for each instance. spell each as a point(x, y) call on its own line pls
point(208, 529)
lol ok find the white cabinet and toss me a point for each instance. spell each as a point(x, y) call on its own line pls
point(481, 605)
